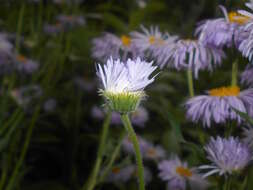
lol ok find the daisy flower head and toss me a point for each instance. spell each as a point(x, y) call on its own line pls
point(150, 39)
point(125, 173)
point(248, 136)
point(25, 65)
point(138, 117)
point(223, 32)
point(70, 21)
point(246, 76)
point(177, 173)
point(109, 45)
point(190, 54)
point(124, 83)
point(246, 46)
point(149, 151)
point(228, 155)
point(218, 105)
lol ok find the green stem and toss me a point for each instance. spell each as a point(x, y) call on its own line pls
point(93, 178)
point(234, 73)
point(113, 158)
point(134, 139)
point(19, 26)
point(190, 82)
point(227, 184)
point(14, 175)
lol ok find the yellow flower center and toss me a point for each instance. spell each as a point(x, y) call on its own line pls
point(115, 170)
point(21, 58)
point(126, 41)
point(225, 91)
point(235, 17)
point(151, 152)
point(184, 172)
point(152, 39)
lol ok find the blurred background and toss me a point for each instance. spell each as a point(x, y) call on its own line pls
point(50, 111)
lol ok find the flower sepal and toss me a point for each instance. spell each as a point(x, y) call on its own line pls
point(124, 102)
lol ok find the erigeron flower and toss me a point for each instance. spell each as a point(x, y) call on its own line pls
point(138, 117)
point(125, 173)
point(227, 156)
point(149, 151)
point(247, 76)
point(177, 173)
point(218, 105)
point(246, 47)
point(223, 32)
point(150, 39)
point(248, 136)
point(109, 45)
point(124, 83)
point(190, 54)
point(25, 65)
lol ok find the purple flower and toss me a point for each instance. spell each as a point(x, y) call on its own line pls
point(224, 31)
point(110, 45)
point(70, 21)
point(85, 84)
point(123, 174)
point(176, 173)
point(247, 76)
point(218, 105)
point(248, 136)
point(149, 150)
point(190, 54)
point(25, 65)
point(227, 156)
point(246, 47)
point(138, 117)
point(50, 105)
point(148, 40)
point(26, 94)
point(53, 29)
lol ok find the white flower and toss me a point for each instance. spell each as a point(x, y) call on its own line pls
point(124, 83)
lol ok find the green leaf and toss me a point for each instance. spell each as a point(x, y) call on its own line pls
point(244, 116)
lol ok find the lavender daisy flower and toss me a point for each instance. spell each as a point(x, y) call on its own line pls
point(148, 149)
point(26, 94)
point(85, 84)
point(124, 83)
point(190, 54)
point(246, 76)
point(248, 136)
point(50, 105)
point(53, 29)
point(224, 31)
point(177, 174)
point(246, 46)
point(128, 146)
point(218, 105)
point(153, 152)
point(227, 156)
point(5, 54)
point(148, 40)
point(25, 65)
point(110, 45)
point(70, 21)
point(124, 174)
point(138, 117)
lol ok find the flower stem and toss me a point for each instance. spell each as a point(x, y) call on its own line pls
point(134, 139)
point(19, 27)
point(190, 82)
point(115, 153)
point(93, 178)
point(13, 177)
point(234, 73)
